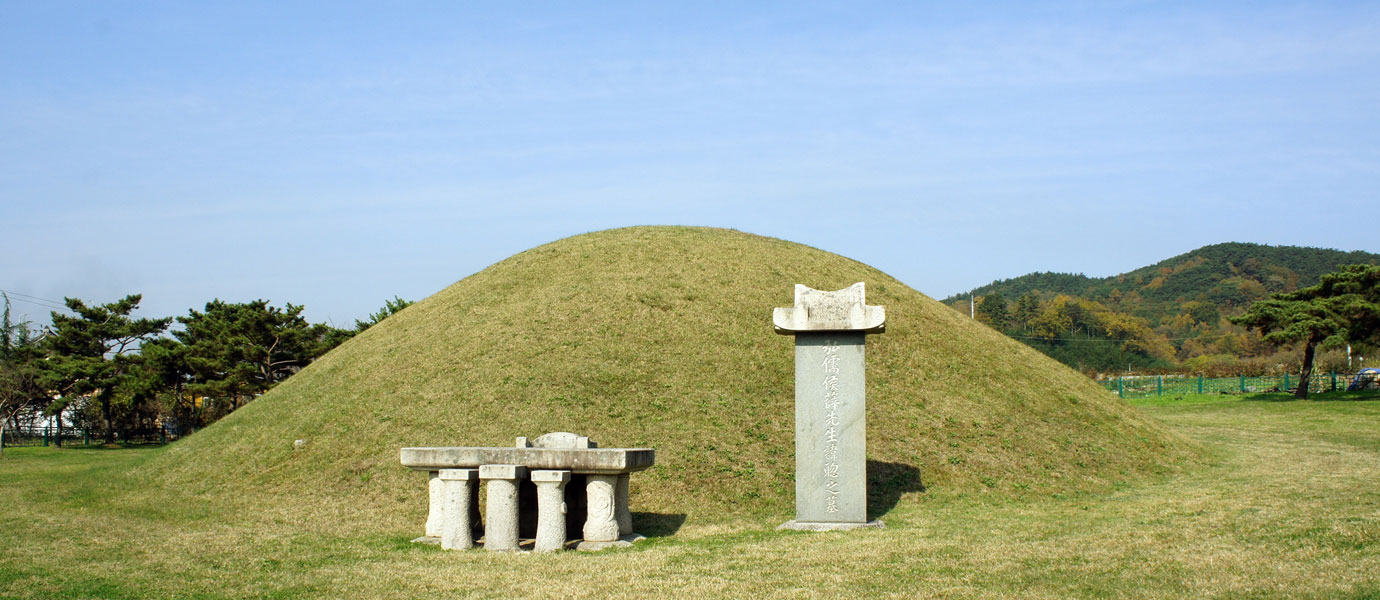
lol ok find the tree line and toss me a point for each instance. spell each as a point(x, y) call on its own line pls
point(1186, 302)
point(102, 369)
point(1288, 328)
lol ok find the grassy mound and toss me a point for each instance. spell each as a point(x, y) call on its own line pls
point(661, 337)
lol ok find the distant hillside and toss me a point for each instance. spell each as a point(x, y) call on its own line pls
point(1171, 316)
point(1228, 276)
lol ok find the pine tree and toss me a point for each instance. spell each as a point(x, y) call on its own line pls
point(235, 352)
point(94, 355)
point(1343, 306)
point(18, 359)
point(992, 311)
point(390, 308)
point(1027, 308)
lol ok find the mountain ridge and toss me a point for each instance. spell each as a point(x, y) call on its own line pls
point(1180, 278)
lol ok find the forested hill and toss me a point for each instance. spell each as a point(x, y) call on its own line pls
point(1172, 315)
point(1228, 276)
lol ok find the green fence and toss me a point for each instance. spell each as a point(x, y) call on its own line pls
point(51, 436)
point(1141, 386)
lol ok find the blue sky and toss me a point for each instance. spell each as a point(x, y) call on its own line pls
point(338, 155)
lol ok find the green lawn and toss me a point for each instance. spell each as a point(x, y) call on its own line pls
point(1288, 505)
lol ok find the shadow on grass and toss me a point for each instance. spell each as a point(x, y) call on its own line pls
point(79, 447)
point(1338, 396)
point(1264, 397)
point(1356, 396)
point(108, 447)
point(655, 525)
point(886, 483)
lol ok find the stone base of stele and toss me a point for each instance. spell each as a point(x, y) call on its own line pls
point(621, 542)
point(819, 526)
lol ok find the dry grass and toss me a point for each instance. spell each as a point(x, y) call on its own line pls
point(1287, 507)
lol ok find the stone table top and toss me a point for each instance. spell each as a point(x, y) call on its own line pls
point(605, 461)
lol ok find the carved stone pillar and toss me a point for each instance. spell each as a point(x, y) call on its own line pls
point(550, 509)
point(501, 518)
point(600, 524)
point(458, 494)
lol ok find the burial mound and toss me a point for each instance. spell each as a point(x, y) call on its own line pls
point(662, 337)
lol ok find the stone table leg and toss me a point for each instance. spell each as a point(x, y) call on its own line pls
point(600, 525)
point(550, 509)
point(433, 512)
point(458, 493)
point(621, 511)
point(501, 522)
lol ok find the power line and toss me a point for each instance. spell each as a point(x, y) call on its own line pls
point(35, 300)
point(44, 302)
point(1116, 341)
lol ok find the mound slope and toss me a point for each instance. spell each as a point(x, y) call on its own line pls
point(662, 337)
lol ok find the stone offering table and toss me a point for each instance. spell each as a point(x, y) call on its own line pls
point(565, 469)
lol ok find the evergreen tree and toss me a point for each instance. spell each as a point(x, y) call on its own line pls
point(992, 311)
point(234, 352)
point(1354, 292)
point(390, 308)
point(19, 356)
point(163, 376)
point(93, 355)
point(1027, 308)
point(1298, 317)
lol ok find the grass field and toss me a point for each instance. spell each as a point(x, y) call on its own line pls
point(1287, 505)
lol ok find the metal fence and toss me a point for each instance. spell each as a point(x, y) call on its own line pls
point(1144, 386)
point(50, 436)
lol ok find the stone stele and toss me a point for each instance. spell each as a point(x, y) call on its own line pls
point(830, 330)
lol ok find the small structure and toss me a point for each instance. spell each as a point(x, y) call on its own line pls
point(1366, 379)
point(538, 489)
point(830, 330)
